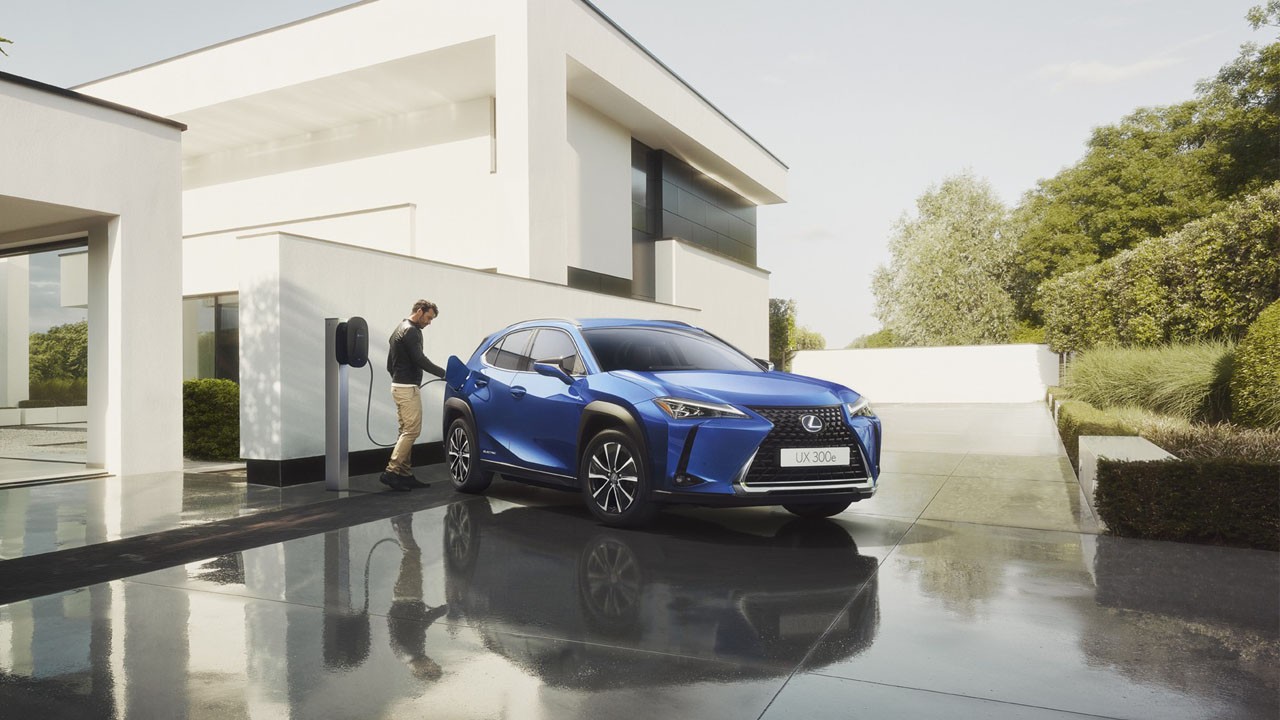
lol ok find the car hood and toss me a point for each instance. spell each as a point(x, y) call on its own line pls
point(745, 388)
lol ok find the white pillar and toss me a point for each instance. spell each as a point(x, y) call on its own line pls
point(532, 127)
point(15, 329)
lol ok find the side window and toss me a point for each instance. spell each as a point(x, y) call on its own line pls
point(554, 344)
point(511, 352)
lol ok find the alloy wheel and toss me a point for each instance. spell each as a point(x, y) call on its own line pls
point(459, 455)
point(613, 476)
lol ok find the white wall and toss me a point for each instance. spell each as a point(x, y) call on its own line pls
point(734, 298)
point(15, 330)
point(971, 374)
point(73, 279)
point(434, 199)
point(599, 197)
point(290, 284)
point(121, 175)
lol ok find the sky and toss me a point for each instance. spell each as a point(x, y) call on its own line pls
point(868, 103)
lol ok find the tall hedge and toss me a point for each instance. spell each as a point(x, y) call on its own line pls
point(211, 419)
point(1255, 384)
point(1209, 280)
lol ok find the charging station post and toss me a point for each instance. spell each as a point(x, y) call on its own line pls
point(336, 420)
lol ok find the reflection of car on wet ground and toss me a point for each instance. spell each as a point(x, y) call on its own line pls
point(756, 600)
point(634, 414)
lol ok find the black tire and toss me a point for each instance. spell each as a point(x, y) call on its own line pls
point(615, 481)
point(462, 459)
point(818, 510)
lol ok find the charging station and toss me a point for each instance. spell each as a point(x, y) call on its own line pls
point(346, 344)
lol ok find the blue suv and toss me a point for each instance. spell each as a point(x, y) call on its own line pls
point(635, 414)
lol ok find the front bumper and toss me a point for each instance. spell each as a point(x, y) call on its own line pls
point(737, 461)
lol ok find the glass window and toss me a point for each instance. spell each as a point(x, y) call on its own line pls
point(211, 337)
point(658, 349)
point(511, 353)
point(555, 345)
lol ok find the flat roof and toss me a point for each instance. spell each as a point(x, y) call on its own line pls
point(587, 3)
point(79, 97)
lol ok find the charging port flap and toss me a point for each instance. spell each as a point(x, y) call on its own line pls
point(456, 373)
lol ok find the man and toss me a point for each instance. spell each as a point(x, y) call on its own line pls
point(405, 363)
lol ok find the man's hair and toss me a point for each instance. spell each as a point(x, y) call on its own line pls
point(426, 305)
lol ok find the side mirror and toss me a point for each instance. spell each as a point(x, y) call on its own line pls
point(764, 364)
point(551, 368)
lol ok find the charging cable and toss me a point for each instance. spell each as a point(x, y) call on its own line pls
point(368, 406)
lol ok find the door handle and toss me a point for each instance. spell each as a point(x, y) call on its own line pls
point(517, 392)
point(481, 380)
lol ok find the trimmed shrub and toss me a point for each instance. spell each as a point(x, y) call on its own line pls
point(1185, 381)
point(1207, 281)
point(1223, 502)
point(1076, 418)
point(66, 392)
point(211, 419)
point(1255, 387)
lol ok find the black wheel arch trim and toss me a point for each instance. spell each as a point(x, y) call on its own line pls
point(615, 412)
point(456, 405)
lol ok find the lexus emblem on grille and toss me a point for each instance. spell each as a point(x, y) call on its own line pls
point(812, 423)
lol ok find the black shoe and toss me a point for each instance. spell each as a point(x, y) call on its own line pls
point(413, 483)
point(393, 481)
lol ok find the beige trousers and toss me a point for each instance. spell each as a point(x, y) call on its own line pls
point(409, 412)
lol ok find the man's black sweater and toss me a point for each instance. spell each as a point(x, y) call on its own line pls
point(405, 360)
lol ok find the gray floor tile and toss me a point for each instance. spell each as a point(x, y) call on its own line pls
point(1074, 623)
point(1012, 503)
point(919, 463)
point(900, 495)
point(818, 697)
point(1056, 468)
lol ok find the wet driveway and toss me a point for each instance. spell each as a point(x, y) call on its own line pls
point(974, 585)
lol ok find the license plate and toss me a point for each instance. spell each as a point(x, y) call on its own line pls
point(814, 457)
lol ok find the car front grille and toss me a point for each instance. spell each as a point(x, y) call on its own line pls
point(766, 474)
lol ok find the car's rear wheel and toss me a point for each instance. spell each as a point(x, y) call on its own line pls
point(463, 459)
point(818, 510)
point(615, 480)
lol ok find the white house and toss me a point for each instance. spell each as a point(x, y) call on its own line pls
point(78, 172)
point(506, 159)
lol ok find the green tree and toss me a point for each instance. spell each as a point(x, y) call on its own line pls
point(882, 338)
point(782, 330)
point(62, 353)
point(1155, 171)
point(948, 268)
point(806, 339)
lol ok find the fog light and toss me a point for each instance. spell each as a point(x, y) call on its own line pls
point(686, 480)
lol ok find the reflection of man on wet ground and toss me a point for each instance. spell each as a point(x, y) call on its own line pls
point(409, 618)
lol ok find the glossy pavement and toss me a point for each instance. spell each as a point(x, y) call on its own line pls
point(974, 585)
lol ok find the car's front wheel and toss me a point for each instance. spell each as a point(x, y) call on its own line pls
point(462, 458)
point(818, 510)
point(615, 480)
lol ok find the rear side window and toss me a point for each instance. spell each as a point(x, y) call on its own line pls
point(554, 345)
point(509, 354)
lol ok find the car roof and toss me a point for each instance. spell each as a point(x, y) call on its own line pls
point(591, 323)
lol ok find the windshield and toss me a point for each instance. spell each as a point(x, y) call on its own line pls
point(647, 349)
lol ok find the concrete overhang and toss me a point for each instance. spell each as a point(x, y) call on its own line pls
point(656, 131)
point(395, 88)
point(26, 222)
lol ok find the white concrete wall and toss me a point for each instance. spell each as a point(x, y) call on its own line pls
point(970, 374)
point(122, 172)
point(289, 285)
point(73, 279)
point(15, 330)
point(599, 197)
point(734, 299)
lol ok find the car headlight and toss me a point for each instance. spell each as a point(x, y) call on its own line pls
point(681, 409)
point(862, 407)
